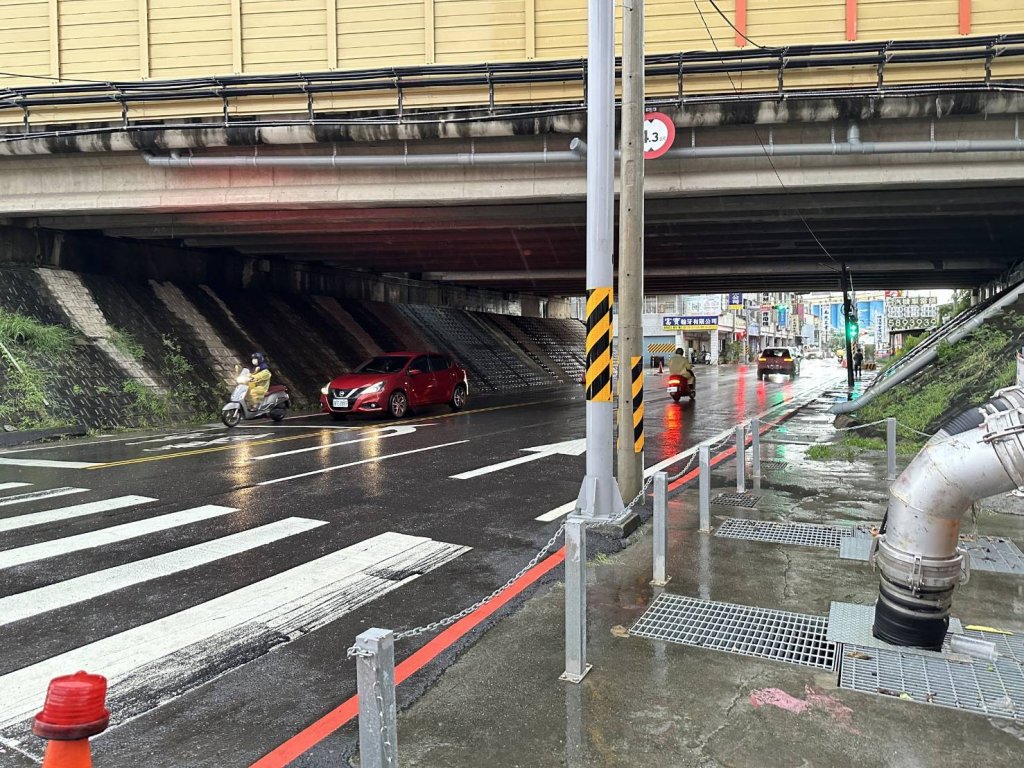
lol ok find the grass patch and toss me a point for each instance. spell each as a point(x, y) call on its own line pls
point(34, 336)
point(29, 345)
point(833, 452)
point(964, 374)
point(126, 344)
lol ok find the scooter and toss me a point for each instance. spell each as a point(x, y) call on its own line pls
point(275, 403)
point(679, 386)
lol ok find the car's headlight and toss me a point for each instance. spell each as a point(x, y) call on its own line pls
point(324, 389)
point(374, 388)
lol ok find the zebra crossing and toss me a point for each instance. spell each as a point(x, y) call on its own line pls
point(153, 662)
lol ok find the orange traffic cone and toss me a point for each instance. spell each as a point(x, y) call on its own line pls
point(75, 709)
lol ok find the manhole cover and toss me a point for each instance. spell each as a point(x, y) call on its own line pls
point(992, 687)
point(764, 633)
point(736, 500)
point(804, 534)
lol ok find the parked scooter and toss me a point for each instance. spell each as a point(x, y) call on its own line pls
point(679, 386)
point(275, 403)
point(704, 358)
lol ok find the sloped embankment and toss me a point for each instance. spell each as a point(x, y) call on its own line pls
point(964, 374)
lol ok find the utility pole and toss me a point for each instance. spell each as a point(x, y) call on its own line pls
point(599, 497)
point(846, 327)
point(631, 246)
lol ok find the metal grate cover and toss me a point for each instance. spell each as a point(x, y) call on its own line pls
point(760, 632)
point(988, 687)
point(851, 624)
point(736, 500)
point(995, 554)
point(986, 553)
point(773, 464)
point(805, 534)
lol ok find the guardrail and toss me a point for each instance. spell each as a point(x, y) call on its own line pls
point(684, 70)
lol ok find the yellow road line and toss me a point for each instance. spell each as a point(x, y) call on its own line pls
point(319, 430)
point(198, 451)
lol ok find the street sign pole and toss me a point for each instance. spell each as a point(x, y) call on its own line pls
point(599, 497)
point(631, 242)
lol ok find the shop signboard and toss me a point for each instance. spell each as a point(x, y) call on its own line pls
point(690, 322)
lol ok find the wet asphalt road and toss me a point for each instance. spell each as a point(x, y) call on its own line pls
point(212, 671)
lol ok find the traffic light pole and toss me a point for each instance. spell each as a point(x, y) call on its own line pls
point(846, 327)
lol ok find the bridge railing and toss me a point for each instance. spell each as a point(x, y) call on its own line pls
point(894, 67)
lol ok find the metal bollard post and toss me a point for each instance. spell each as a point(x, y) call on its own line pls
point(576, 666)
point(755, 448)
point(661, 578)
point(375, 682)
point(890, 447)
point(704, 489)
point(741, 458)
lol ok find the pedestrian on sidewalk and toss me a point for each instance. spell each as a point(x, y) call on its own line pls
point(858, 361)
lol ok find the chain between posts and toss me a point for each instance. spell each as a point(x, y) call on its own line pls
point(435, 625)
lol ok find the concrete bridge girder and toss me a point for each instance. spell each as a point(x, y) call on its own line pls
point(466, 219)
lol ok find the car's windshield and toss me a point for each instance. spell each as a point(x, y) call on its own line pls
point(384, 364)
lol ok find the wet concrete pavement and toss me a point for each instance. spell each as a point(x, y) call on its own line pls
point(173, 561)
point(655, 703)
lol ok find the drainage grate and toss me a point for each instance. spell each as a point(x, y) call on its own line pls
point(992, 553)
point(986, 553)
point(1009, 646)
point(772, 464)
point(988, 687)
point(805, 534)
point(761, 632)
point(736, 500)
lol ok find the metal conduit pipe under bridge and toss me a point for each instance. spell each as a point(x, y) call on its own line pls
point(578, 150)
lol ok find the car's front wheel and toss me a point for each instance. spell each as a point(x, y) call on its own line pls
point(398, 404)
point(458, 401)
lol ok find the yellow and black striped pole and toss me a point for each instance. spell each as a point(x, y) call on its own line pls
point(599, 345)
point(638, 404)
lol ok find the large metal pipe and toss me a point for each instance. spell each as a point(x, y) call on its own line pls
point(979, 453)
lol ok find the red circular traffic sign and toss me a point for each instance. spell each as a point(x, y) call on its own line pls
point(659, 133)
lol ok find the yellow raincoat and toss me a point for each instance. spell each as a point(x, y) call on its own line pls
point(258, 386)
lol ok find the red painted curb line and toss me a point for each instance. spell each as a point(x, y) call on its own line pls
point(718, 458)
point(312, 735)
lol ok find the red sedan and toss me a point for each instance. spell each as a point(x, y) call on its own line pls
point(395, 383)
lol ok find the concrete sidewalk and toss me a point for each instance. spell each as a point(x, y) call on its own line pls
point(662, 704)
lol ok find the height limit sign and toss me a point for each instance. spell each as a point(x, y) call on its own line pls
point(659, 133)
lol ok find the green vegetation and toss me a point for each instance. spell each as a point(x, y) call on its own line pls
point(29, 346)
point(147, 407)
point(126, 344)
point(852, 446)
point(33, 336)
point(964, 374)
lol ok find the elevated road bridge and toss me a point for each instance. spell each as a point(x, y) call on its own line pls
point(434, 138)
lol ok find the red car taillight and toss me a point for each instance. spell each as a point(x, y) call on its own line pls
point(787, 359)
point(762, 359)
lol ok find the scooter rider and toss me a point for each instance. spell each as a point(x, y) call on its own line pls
point(259, 381)
point(680, 365)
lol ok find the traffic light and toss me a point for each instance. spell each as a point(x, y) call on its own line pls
point(852, 329)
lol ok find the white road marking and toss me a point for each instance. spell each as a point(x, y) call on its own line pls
point(79, 444)
point(557, 512)
point(566, 448)
point(33, 552)
point(291, 603)
point(66, 513)
point(64, 593)
point(224, 440)
point(362, 461)
point(49, 493)
point(9, 486)
point(379, 434)
point(46, 463)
